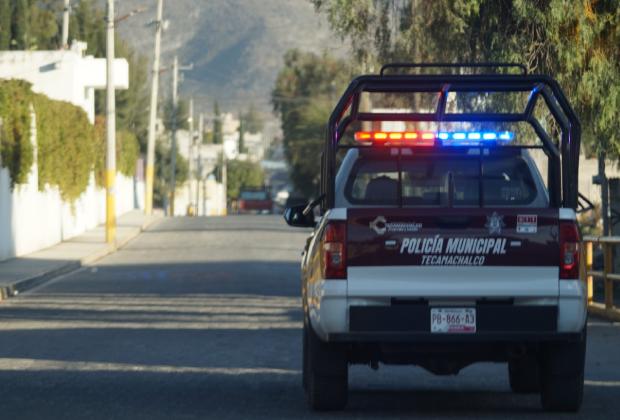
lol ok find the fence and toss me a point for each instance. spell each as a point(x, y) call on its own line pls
point(606, 308)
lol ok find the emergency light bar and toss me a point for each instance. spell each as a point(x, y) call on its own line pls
point(427, 138)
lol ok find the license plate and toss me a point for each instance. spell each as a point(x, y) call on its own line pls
point(453, 320)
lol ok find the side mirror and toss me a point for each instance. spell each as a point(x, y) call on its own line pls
point(297, 217)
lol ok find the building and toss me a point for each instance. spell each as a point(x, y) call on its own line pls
point(64, 75)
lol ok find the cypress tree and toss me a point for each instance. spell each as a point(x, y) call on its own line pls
point(241, 134)
point(5, 24)
point(19, 25)
point(217, 125)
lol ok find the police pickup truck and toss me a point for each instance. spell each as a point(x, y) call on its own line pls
point(441, 238)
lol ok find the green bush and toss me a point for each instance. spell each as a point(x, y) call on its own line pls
point(66, 146)
point(243, 174)
point(127, 151)
point(69, 146)
point(100, 151)
point(163, 172)
point(16, 151)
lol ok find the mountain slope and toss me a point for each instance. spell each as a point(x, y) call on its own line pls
point(236, 46)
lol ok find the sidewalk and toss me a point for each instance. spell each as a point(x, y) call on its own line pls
point(28, 271)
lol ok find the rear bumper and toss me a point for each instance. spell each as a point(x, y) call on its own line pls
point(480, 337)
point(330, 304)
point(490, 319)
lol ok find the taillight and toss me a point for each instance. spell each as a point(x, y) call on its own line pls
point(569, 250)
point(334, 257)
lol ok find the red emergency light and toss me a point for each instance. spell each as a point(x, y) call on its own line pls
point(412, 138)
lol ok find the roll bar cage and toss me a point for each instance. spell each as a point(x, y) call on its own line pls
point(563, 158)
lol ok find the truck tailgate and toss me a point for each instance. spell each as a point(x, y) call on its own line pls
point(453, 252)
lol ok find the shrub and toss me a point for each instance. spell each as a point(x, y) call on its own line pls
point(69, 146)
point(16, 151)
point(66, 146)
point(127, 151)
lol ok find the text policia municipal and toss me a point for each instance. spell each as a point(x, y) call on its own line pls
point(453, 251)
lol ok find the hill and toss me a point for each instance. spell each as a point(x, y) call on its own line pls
point(236, 46)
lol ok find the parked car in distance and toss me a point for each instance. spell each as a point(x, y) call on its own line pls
point(255, 201)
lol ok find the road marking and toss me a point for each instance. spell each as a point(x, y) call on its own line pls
point(19, 364)
point(602, 383)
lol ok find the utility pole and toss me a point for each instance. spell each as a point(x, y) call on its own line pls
point(602, 178)
point(173, 149)
point(175, 110)
point(110, 173)
point(225, 182)
point(201, 129)
point(150, 154)
point(65, 24)
point(190, 151)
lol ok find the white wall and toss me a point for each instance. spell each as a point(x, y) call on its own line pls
point(31, 220)
point(65, 75)
point(209, 200)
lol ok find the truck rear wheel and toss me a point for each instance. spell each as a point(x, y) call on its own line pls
point(562, 368)
point(326, 373)
point(524, 376)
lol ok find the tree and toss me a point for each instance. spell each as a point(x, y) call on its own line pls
point(182, 115)
point(19, 25)
point(43, 27)
point(87, 23)
point(576, 42)
point(218, 136)
point(241, 141)
point(132, 103)
point(303, 97)
point(242, 174)
point(253, 120)
point(163, 167)
point(5, 24)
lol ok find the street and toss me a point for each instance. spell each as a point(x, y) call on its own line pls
point(200, 318)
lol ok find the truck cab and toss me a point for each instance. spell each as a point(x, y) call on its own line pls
point(437, 241)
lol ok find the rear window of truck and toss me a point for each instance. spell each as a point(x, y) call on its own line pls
point(438, 181)
point(253, 195)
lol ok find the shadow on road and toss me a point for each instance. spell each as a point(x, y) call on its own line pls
point(167, 329)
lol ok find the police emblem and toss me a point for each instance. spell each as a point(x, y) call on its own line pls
point(379, 225)
point(495, 223)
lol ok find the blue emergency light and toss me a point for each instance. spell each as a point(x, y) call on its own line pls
point(473, 138)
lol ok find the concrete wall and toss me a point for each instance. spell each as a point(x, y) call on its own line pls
point(65, 75)
point(208, 198)
point(31, 220)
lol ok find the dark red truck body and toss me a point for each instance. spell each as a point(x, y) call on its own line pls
point(255, 201)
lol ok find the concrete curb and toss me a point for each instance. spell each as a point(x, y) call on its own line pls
point(22, 285)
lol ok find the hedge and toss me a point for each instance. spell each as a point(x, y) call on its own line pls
point(16, 151)
point(127, 151)
point(66, 146)
point(69, 147)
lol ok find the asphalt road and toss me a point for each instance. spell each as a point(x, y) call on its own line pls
point(200, 318)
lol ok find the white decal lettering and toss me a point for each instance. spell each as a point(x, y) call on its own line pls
point(438, 248)
point(452, 246)
point(490, 244)
point(404, 245)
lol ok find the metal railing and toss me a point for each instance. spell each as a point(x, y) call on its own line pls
point(607, 276)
